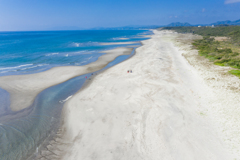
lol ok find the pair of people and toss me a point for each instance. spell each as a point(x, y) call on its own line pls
point(129, 71)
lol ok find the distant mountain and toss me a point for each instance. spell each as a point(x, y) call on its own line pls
point(237, 22)
point(178, 24)
point(219, 23)
point(175, 24)
point(136, 27)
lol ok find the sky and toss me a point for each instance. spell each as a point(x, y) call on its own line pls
point(22, 15)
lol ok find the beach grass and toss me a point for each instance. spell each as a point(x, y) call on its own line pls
point(235, 72)
point(221, 53)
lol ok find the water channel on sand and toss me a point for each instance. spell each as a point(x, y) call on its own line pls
point(22, 132)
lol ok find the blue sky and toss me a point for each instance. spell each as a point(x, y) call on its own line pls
point(18, 15)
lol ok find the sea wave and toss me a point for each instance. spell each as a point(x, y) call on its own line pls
point(20, 66)
point(51, 54)
point(84, 52)
point(39, 65)
point(67, 54)
point(86, 44)
point(120, 38)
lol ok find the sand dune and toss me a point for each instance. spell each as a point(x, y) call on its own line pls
point(24, 88)
point(158, 112)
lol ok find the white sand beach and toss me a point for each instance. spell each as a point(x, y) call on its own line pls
point(24, 88)
point(168, 108)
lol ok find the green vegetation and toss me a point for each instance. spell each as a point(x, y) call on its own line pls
point(222, 53)
point(227, 31)
point(235, 72)
point(212, 50)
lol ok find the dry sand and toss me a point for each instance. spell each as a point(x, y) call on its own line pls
point(166, 109)
point(24, 88)
point(223, 94)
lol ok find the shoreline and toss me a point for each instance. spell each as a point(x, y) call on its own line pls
point(24, 88)
point(158, 111)
point(52, 138)
point(34, 126)
point(47, 107)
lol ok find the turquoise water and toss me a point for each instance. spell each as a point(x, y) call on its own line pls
point(29, 52)
point(23, 132)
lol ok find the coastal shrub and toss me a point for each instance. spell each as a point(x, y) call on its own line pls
point(226, 50)
point(234, 54)
point(224, 53)
point(219, 56)
point(235, 72)
point(224, 60)
point(208, 47)
point(219, 64)
point(211, 56)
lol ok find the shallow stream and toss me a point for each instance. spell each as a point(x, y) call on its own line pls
point(21, 133)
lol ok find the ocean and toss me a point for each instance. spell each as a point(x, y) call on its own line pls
point(31, 52)
point(23, 134)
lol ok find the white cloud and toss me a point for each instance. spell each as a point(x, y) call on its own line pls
point(231, 1)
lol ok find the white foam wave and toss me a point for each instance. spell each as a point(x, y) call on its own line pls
point(51, 54)
point(34, 66)
point(75, 44)
point(21, 68)
point(118, 43)
point(120, 38)
point(83, 62)
point(9, 68)
point(4, 72)
point(82, 52)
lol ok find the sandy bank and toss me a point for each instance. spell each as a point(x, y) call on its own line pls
point(156, 112)
point(24, 88)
